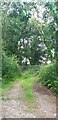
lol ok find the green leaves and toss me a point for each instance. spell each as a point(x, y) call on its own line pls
point(21, 21)
point(9, 67)
point(47, 76)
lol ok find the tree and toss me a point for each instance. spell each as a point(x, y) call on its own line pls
point(56, 19)
point(14, 21)
point(28, 35)
point(16, 27)
point(52, 26)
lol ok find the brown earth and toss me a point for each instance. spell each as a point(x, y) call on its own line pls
point(14, 104)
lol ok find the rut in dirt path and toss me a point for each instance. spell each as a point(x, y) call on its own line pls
point(46, 100)
point(14, 104)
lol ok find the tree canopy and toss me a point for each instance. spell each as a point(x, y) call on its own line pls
point(29, 31)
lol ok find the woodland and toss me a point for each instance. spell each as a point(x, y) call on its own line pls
point(29, 45)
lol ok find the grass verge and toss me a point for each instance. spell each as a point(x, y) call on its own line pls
point(27, 82)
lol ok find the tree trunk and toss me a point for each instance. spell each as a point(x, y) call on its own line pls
point(57, 52)
point(56, 3)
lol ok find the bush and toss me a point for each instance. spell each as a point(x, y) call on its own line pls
point(9, 67)
point(48, 77)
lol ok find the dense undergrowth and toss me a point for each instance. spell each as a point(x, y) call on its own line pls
point(10, 72)
point(47, 76)
point(9, 67)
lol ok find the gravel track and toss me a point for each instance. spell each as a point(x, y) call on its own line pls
point(14, 104)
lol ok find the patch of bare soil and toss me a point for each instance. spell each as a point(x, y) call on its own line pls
point(46, 101)
point(14, 104)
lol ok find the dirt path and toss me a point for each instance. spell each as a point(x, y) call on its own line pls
point(15, 106)
point(46, 101)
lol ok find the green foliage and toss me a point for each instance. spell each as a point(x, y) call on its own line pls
point(14, 22)
point(36, 38)
point(48, 77)
point(9, 67)
point(51, 13)
point(18, 25)
point(27, 82)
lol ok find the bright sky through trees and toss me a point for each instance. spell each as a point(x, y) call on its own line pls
point(30, 0)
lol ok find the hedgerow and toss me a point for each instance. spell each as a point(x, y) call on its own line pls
point(48, 77)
